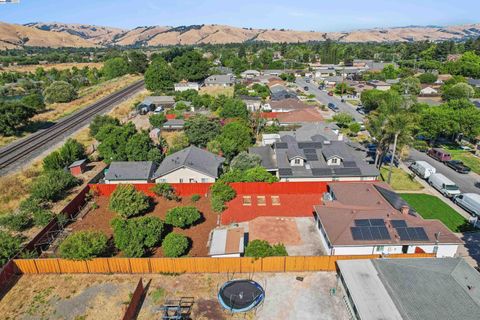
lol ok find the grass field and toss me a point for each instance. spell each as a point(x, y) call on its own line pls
point(216, 91)
point(401, 180)
point(430, 207)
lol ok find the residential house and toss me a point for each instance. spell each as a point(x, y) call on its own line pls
point(190, 165)
point(370, 218)
point(253, 103)
point(413, 289)
point(428, 91)
point(315, 159)
point(220, 80)
point(286, 105)
point(333, 81)
point(227, 242)
point(370, 65)
point(274, 72)
point(173, 125)
point(300, 116)
point(152, 103)
point(120, 172)
point(281, 92)
point(379, 85)
point(250, 74)
point(323, 72)
point(185, 85)
point(329, 130)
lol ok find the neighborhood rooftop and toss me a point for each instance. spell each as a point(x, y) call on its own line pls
point(130, 170)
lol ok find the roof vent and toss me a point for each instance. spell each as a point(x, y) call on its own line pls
point(405, 209)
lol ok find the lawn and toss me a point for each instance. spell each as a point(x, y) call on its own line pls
point(401, 180)
point(430, 207)
point(468, 158)
point(217, 91)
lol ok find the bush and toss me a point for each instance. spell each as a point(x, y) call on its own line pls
point(9, 246)
point(427, 77)
point(261, 249)
point(53, 185)
point(99, 121)
point(195, 197)
point(135, 236)
point(17, 221)
point(83, 245)
point(128, 202)
point(175, 245)
point(36, 209)
point(71, 151)
point(354, 128)
point(182, 217)
point(221, 193)
point(421, 145)
point(166, 191)
point(157, 120)
point(42, 217)
point(60, 91)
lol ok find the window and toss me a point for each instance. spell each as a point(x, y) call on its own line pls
point(297, 161)
point(247, 200)
point(379, 248)
point(261, 201)
point(181, 180)
point(334, 161)
point(275, 200)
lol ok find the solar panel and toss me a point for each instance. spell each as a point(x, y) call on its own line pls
point(362, 222)
point(384, 233)
point(310, 145)
point(285, 172)
point(349, 164)
point(356, 233)
point(321, 172)
point(367, 235)
point(398, 223)
point(403, 234)
point(412, 233)
point(311, 156)
point(377, 222)
point(375, 233)
point(307, 151)
point(347, 171)
point(421, 234)
point(281, 145)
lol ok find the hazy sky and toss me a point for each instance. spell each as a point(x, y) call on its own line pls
point(319, 15)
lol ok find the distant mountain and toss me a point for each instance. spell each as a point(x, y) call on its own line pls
point(78, 35)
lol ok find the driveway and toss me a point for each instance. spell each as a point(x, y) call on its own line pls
point(325, 99)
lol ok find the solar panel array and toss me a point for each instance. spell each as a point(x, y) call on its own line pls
point(311, 145)
point(347, 171)
point(349, 164)
point(321, 172)
point(281, 145)
point(369, 229)
point(409, 233)
point(398, 223)
point(285, 172)
point(310, 154)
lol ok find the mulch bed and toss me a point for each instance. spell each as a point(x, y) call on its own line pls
point(99, 219)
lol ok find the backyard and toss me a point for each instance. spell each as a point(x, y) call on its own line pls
point(288, 296)
point(100, 216)
point(430, 207)
point(401, 180)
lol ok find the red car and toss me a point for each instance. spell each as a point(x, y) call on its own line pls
point(330, 93)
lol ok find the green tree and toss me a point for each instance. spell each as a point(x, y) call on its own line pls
point(178, 142)
point(59, 92)
point(166, 191)
point(343, 119)
point(354, 128)
point(141, 148)
point(190, 66)
point(234, 108)
point(157, 120)
point(201, 129)
point(175, 245)
point(137, 62)
point(34, 100)
point(427, 77)
point(9, 246)
point(160, 76)
point(16, 221)
point(262, 249)
point(14, 114)
point(182, 217)
point(245, 160)
point(235, 138)
point(390, 72)
point(70, 152)
point(371, 99)
point(84, 245)
point(458, 91)
point(408, 85)
point(101, 120)
point(128, 202)
point(53, 185)
point(135, 237)
point(115, 67)
point(221, 194)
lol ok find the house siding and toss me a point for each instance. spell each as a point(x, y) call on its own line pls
point(186, 174)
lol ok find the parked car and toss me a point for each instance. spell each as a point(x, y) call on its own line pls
point(458, 166)
point(330, 93)
point(446, 186)
point(305, 88)
point(332, 107)
point(469, 202)
point(422, 169)
point(158, 110)
point(439, 154)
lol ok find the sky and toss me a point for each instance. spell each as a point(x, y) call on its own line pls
point(318, 15)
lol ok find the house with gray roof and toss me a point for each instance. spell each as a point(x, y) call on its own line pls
point(190, 165)
point(314, 159)
point(129, 172)
point(153, 102)
point(173, 124)
point(413, 289)
point(220, 80)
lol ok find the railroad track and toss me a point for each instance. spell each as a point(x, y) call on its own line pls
point(21, 149)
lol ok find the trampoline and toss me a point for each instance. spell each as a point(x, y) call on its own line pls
point(240, 295)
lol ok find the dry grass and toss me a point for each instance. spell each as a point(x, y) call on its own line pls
point(216, 91)
point(87, 96)
point(122, 110)
point(58, 66)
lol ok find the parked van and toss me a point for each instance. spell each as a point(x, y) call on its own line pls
point(446, 186)
point(469, 202)
point(439, 154)
point(422, 169)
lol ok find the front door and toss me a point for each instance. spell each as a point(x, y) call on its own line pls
point(404, 249)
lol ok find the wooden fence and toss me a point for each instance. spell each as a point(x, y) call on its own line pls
point(192, 265)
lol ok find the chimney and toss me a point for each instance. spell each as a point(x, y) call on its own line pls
point(405, 209)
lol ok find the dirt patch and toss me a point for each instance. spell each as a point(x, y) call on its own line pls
point(99, 219)
point(275, 230)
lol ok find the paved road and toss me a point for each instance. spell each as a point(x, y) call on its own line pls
point(325, 99)
point(20, 153)
point(466, 182)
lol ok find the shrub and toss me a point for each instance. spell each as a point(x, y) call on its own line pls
point(261, 248)
point(71, 151)
point(83, 245)
point(60, 91)
point(135, 236)
point(9, 246)
point(99, 121)
point(182, 216)
point(128, 202)
point(175, 245)
point(157, 120)
point(195, 197)
point(420, 145)
point(221, 193)
point(52, 185)
point(42, 217)
point(165, 190)
point(17, 221)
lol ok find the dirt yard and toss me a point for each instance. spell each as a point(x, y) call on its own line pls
point(74, 297)
point(99, 219)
